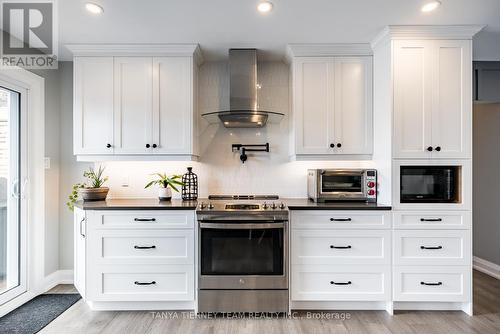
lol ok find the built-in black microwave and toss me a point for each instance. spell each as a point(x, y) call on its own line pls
point(430, 184)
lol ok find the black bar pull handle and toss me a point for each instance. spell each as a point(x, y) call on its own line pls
point(340, 247)
point(431, 219)
point(145, 219)
point(436, 247)
point(145, 247)
point(144, 283)
point(425, 283)
point(340, 219)
point(341, 283)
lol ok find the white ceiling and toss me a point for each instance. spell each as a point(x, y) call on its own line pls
point(218, 25)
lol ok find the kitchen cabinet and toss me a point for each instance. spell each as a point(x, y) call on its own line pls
point(135, 103)
point(432, 99)
point(135, 259)
point(93, 105)
point(79, 251)
point(332, 106)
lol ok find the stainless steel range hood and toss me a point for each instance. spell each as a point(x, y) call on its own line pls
point(244, 111)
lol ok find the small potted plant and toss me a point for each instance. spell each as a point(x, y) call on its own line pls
point(92, 189)
point(166, 183)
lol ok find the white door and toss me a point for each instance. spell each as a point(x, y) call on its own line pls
point(412, 103)
point(13, 255)
point(133, 105)
point(93, 105)
point(172, 105)
point(353, 105)
point(314, 103)
point(452, 99)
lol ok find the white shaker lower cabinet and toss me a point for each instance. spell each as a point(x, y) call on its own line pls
point(432, 258)
point(337, 266)
point(135, 260)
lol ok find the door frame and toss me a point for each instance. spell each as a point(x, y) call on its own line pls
point(34, 191)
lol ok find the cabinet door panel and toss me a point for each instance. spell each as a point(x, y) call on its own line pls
point(133, 104)
point(353, 105)
point(314, 106)
point(452, 99)
point(93, 105)
point(412, 103)
point(173, 109)
point(80, 232)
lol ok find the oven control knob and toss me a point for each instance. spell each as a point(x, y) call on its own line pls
point(242, 281)
point(371, 192)
point(203, 205)
point(265, 206)
point(274, 206)
point(210, 206)
point(371, 184)
point(282, 206)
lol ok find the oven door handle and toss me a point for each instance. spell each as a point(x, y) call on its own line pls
point(241, 226)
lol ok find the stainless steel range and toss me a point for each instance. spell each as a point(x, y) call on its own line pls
point(243, 254)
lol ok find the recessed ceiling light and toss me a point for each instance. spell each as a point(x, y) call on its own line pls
point(429, 6)
point(265, 6)
point(94, 8)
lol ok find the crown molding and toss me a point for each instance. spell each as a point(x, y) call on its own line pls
point(328, 50)
point(394, 32)
point(187, 50)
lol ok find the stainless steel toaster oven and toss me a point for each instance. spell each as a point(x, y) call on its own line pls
point(342, 185)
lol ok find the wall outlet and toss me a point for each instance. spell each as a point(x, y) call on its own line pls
point(46, 163)
point(125, 182)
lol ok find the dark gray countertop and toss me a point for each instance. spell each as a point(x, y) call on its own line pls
point(137, 204)
point(177, 204)
point(306, 204)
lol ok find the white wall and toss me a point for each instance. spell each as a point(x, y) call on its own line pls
point(220, 171)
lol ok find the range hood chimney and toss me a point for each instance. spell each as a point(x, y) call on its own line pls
point(244, 109)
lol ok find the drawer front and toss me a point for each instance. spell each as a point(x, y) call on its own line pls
point(142, 283)
point(340, 283)
point(432, 247)
point(432, 283)
point(341, 219)
point(341, 247)
point(432, 220)
point(141, 219)
point(142, 246)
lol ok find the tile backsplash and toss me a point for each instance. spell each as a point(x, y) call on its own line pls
point(220, 170)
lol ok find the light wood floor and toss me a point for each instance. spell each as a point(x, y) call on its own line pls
point(486, 319)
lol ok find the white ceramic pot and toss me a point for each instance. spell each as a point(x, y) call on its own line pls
point(165, 194)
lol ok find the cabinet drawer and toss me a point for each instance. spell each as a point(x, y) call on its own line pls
point(142, 219)
point(338, 283)
point(432, 220)
point(142, 246)
point(341, 219)
point(432, 283)
point(341, 247)
point(432, 247)
point(142, 283)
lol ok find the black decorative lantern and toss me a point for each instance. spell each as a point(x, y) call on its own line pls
point(190, 187)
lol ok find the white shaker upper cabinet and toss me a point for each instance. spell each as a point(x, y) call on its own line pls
point(432, 99)
point(93, 105)
point(332, 106)
point(133, 105)
point(173, 111)
point(314, 94)
point(353, 105)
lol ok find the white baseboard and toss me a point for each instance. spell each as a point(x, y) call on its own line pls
point(56, 278)
point(487, 267)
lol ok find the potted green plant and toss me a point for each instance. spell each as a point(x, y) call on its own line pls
point(166, 183)
point(91, 190)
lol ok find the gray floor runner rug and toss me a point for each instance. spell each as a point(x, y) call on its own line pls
point(37, 313)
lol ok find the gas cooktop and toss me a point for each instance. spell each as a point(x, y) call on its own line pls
point(242, 203)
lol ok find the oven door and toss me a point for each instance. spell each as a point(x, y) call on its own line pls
point(243, 255)
point(342, 185)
